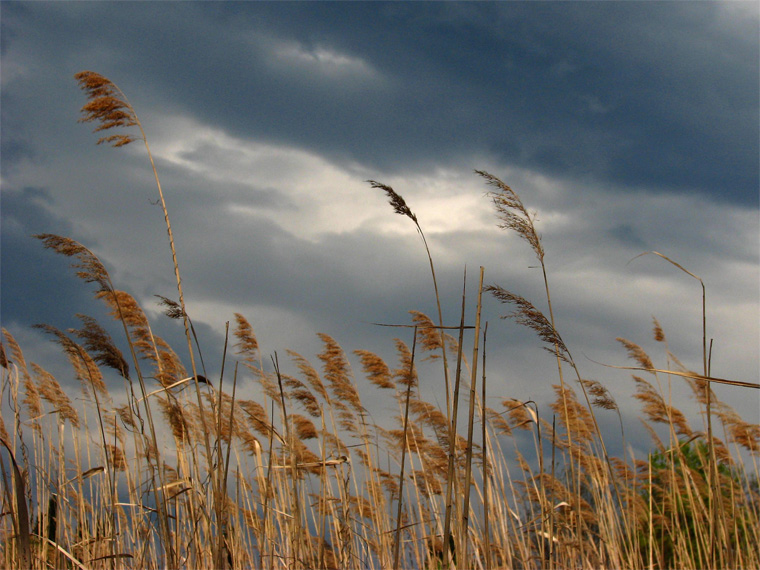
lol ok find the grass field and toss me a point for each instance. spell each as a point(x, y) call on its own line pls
point(151, 464)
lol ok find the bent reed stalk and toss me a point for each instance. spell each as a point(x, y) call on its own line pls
point(288, 469)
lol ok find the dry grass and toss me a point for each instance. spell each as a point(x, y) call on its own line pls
point(147, 465)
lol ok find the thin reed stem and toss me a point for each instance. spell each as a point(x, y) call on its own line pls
point(451, 475)
point(485, 467)
point(464, 532)
point(404, 444)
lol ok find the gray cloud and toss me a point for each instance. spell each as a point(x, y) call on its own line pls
point(659, 95)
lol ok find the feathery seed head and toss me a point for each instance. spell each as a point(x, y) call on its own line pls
point(310, 374)
point(90, 267)
point(17, 355)
point(659, 334)
point(428, 335)
point(84, 365)
point(108, 106)
point(636, 353)
point(99, 342)
point(745, 434)
point(175, 418)
point(406, 374)
point(396, 200)
point(512, 213)
point(576, 417)
point(304, 427)
point(247, 344)
point(173, 309)
point(656, 410)
point(51, 391)
point(337, 372)
point(375, 368)
point(498, 422)
point(602, 397)
point(32, 402)
point(126, 416)
point(528, 315)
point(116, 458)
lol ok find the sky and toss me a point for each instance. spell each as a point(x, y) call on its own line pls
point(627, 126)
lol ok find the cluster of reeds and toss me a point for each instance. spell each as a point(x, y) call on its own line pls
point(154, 464)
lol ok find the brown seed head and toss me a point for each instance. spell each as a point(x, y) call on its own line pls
point(247, 345)
point(637, 353)
point(51, 392)
point(602, 397)
point(406, 374)
point(84, 365)
point(375, 368)
point(338, 374)
point(310, 375)
point(528, 315)
point(116, 457)
point(659, 334)
point(108, 106)
point(99, 343)
point(91, 270)
point(398, 203)
point(428, 335)
point(512, 213)
point(17, 356)
point(304, 427)
point(656, 410)
point(173, 309)
point(575, 416)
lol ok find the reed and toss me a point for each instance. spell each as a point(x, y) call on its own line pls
point(149, 464)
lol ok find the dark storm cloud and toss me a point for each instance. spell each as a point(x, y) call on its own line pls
point(653, 95)
point(656, 95)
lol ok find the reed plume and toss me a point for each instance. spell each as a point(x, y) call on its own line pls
point(100, 344)
point(90, 269)
point(429, 337)
point(85, 367)
point(657, 410)
point(310, 374)
point(336, 371)
point(396, 200)
point(528, 315)
point(247, 345)
point(50, 391)
point(635, 352)
point(512, 213)
point(107, 106)
point(601, 395)
point(376, 369)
